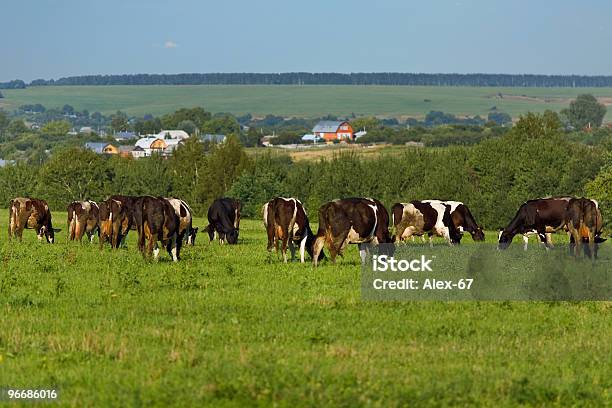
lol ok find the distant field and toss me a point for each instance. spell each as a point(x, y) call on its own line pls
point(304, 101)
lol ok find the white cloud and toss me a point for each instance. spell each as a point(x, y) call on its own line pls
point(170, 44)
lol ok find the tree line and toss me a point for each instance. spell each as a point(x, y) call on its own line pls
point(493, 177)
point(330, 78)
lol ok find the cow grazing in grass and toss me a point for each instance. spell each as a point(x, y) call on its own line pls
point(462, 218)
point(430, 217)
point(114, 221)
point(224, 218)
point(83, 218)
point(286, 222)
point(362, 221)
point(544, 216)
point(30, 213)
point(584, 223)
point(157, 221)
point(186, 230)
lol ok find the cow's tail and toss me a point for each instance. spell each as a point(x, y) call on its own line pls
point(264, 211)
point(10, 223)
point(72, 226)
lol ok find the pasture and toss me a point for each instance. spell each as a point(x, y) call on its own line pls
point(233, 326)
point(303, 101)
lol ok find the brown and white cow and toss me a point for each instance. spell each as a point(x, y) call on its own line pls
point(224, 218)
point(286, 222)
point(83, 218)
point(30, 213)
point(362, 221)
point(114, 222)
point(186, 230)
point(542, 216)
point(430, 217)
point(129, 205)
point(584, 222)
point(156, 221)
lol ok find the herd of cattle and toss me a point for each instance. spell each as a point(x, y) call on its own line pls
point(361, 221)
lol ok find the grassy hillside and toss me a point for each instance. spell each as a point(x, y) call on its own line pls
point(305, 101)
point(231, 325)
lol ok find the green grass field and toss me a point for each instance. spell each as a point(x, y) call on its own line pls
point(233, 326)
point(304, 101)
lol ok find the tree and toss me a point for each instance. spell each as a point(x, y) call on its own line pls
point(73, 174)
point(4, 121)
point(197, 115)
point(585, 110)
point(537, 126)
point(367, 123)
point(223, 125)
point(188, 126)
point(68, 110)
point(500, 118)
point(119, 122)
point(16, 127)
point(601, 189)
point(56, 128)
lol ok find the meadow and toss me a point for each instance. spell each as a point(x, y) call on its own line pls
point(302, 101)
point(233, 326)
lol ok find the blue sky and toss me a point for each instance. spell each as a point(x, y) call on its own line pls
point(51, 39)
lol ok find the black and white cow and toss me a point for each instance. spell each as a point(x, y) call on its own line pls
point(541, 216)
point(362, 221)
point(462, 219)
point(186, 230)
point(224, 218)
point(432, 217)
point(286, 222)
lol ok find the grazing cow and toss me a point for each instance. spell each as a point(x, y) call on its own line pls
point(544, 216)
point(584, 222)
point(362, 221)
point(30, 213)
point(114, 221)
point(157, 221)
point(224, 218)
point(527, 234)
point(83, 219)
point(183, 211)
point(286, 221)
point(432, 217)
point(462, 218)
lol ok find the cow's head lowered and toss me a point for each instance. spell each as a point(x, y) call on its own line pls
point(504, 239)
point(478, 234)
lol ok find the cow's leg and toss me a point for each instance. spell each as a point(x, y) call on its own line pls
point(153, 248)
point(364, 248)
point(303, 248)
point(292, 249)
point(591, 244)
point(549, 240)
point(316, 249)
point(284, 242)
point(172, 248)
point(541, 231)
point(525, 241)
point(577, 243)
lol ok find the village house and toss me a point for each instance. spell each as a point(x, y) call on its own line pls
point(333, 130)
point(102, 148)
